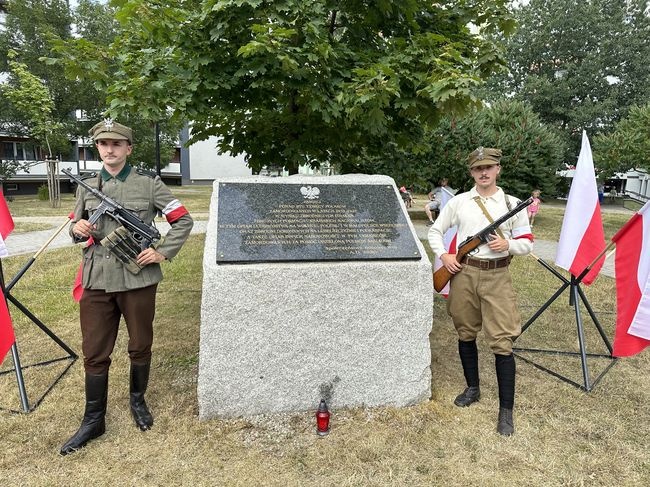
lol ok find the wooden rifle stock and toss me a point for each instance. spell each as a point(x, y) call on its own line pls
point(442, 276)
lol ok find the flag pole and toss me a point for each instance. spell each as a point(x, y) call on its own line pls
point(72, 356)
point(24, 403)
point(575, 296)
point(29, 263)
point(602, 252)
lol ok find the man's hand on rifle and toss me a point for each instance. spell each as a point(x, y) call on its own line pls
point(498, 244)
point(450, 263)
point(83, 229)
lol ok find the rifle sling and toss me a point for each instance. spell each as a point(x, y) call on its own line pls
point(480, 204)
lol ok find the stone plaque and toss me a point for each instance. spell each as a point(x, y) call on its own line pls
point(299, 222)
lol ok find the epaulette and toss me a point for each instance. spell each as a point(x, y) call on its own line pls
point(144, 172)
point(88, 175)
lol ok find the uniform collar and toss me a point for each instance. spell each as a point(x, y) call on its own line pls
point(122, 175)
point(498, 196)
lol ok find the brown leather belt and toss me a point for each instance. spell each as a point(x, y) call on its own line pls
point(488, 264)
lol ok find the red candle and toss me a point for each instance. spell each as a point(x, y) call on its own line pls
point(322, 419)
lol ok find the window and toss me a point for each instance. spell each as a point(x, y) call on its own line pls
point(30, 151)
point(8, 150)
point(86, 154)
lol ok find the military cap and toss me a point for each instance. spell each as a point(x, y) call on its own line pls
point(484, 156)
point(108, 129)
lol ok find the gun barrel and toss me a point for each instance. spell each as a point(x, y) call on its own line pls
point(116, 211)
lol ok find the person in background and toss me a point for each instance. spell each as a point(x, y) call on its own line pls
point(613, 194)
point(435, 200)
point(481, 295)
point(533, 208)
point(406, 196)
point(601, 194)
point(110, 289)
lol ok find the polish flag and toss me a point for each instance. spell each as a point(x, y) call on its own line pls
point(449, 239)
point(7, 337)
point(582, 238)
point(633, 285)
point(77, 288)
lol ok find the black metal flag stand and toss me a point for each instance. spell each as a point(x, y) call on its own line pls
point(71, 356)
point(575, 296)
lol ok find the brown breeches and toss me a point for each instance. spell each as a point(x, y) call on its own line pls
point(100, 314)
point(485, 299)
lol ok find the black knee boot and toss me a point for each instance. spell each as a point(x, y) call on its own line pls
point(469, 358)
point(93, 424)
point(505, 366)
point(139, 410)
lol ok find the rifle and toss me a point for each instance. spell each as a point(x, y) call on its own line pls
point(126, 245)
point(442, 276)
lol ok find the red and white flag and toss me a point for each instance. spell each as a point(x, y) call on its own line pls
point(7, 337)
point(449, 239)
point(77, 287)
point(582, 237)
point(633, 285)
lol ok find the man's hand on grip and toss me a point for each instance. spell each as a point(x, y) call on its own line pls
point(450, 263)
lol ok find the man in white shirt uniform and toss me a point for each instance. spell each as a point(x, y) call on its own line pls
point(481, 295)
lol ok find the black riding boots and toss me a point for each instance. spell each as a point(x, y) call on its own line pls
point(469, 358)
point(93, 424)
point(139, 410)
point(505, 366)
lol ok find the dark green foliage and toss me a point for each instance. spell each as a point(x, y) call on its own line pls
point(47, 106)
point(580, 65)
point(628, 146)
point(297, 82)
point(532, 152)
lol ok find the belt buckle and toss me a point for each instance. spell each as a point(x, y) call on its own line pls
point(484, 265)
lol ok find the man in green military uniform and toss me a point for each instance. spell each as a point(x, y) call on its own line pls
point(111, 288)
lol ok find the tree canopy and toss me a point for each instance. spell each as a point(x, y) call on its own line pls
point(38, 89)
point(531, 150)
point(628, 146)
point(298, 81)
point(580, 65)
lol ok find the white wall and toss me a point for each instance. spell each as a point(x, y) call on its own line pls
point(639, 182)
point(206, 163)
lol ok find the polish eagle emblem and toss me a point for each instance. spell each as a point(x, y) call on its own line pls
point(310, 192)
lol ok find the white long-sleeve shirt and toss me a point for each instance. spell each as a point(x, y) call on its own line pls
point(465, 214)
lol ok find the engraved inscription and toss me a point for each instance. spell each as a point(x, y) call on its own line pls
point(284, 227)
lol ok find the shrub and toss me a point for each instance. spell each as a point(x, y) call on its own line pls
point(43, 193)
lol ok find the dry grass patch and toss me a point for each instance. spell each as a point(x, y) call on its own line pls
point(564, 436)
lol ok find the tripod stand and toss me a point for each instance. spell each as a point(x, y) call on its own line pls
point(576, 295)
point(71, 356)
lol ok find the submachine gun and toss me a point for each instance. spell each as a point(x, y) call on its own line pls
point(127, 241)
point(442, 276)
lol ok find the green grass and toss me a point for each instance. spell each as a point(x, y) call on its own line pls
point(195, 198)
point(548, 222)
point(564, 437)
point(30, 205)
point(25, 227)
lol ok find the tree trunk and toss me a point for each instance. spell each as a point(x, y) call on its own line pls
point(53, 182)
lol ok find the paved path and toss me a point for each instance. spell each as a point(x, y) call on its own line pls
point(31, 242)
